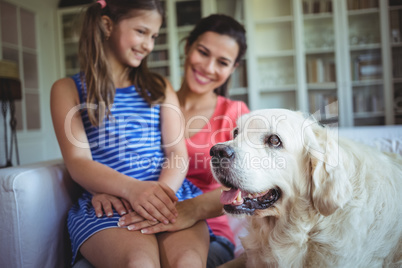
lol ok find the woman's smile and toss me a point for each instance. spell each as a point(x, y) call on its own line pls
point(200, 78)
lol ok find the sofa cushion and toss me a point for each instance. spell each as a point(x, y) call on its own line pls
point(384, 138)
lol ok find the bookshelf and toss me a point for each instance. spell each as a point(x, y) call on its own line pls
point(395, 21)
point(182, 15)
point(69, 20)
point(326, 57)
point(167, 58)
point(338, 59)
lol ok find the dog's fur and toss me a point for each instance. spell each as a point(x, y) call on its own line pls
point(340, 201)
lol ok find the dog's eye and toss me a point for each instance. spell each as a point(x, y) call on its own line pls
point(235, 133)
point(274, 141)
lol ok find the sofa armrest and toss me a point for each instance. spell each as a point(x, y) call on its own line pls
point(34, 201)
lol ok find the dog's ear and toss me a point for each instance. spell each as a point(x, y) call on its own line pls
point(330, 185)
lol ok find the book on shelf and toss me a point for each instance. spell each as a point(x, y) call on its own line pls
point(398, 98)
point(395, 3)
point(161, 55)
point(395, 25)
point(320, 70)
point(188, 12)
point(368, 101)
point(324, 104)
point(362, 4)
point(161, 39)
point(239, 76)
point(397, 62)
point(367, 67)
point(317, 6)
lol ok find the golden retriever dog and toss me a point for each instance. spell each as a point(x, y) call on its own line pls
point(313, 199)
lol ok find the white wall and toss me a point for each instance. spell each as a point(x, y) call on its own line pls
point(42, 145)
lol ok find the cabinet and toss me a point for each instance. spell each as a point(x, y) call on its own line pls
point(338, 59)
point(182, 15)
point(395, 21)
point(168, 54)
point(326, 57)
point(69, 22)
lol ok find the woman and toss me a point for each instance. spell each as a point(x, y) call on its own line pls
point(213, 51)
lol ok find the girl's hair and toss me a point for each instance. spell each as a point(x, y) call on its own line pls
point(224, 25)
point(100, 87)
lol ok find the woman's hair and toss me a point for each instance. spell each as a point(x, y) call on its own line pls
point(224, 25)
point(93, 63)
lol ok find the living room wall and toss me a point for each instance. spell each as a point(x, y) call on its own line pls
point(40, 144)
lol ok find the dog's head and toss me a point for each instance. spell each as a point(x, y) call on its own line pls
point(278, 156)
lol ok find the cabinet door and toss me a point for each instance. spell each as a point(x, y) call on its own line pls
point(272, 54)
point(71, 25)
point(158, 59)
point(188, 13)
point(320, 59)
point(365, 48)
point(69, 22)
point(326, 57)
point(238, 87)
point(395, 28)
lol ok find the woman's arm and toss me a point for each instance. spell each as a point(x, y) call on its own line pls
point(202, 207)
point(147, 198)
point(172, 128)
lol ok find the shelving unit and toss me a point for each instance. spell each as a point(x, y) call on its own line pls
point(330, 58)
point(338, 59)
point(69, 22)
point(365, 46)
point(395, 22)
point(180, 28)
point(167, 58)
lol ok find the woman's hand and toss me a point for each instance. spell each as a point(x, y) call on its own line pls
point(154, 201)
point(186, 218)
point(106, 203)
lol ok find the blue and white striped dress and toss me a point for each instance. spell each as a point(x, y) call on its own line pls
point(129, 142)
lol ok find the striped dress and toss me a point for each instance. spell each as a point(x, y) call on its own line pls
point(129, 142)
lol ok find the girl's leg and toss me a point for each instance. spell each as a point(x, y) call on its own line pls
point(118, 247)
point(185, 248)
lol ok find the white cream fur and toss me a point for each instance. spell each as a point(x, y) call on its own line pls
point(341, 203)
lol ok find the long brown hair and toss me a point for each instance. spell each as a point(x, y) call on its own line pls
point(99, 84)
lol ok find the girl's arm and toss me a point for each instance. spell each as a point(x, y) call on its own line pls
point(150, 199)
point(172, 128)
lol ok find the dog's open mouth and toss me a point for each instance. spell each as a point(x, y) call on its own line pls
point(239, 202)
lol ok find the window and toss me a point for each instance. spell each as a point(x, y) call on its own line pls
point(18, 43)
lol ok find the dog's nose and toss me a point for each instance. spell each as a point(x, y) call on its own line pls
point(221, 151)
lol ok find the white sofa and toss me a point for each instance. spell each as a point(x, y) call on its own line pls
point(34, 200)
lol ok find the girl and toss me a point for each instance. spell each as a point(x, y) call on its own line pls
point(112, 121)
point(213, 51)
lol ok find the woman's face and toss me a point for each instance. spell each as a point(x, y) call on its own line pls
point(132, 39)
point(210, 60)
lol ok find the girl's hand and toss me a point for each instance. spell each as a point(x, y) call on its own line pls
point(185, 220)
point(106, 203)
point(154, 201)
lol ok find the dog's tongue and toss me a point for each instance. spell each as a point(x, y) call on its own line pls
point(229, 197)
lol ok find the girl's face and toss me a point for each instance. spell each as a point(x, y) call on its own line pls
point(210, 60)
point(132, 39)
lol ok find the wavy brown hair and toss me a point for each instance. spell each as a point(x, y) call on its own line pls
point(96, 74)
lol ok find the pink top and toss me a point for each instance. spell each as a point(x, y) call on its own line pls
point(217, 129)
